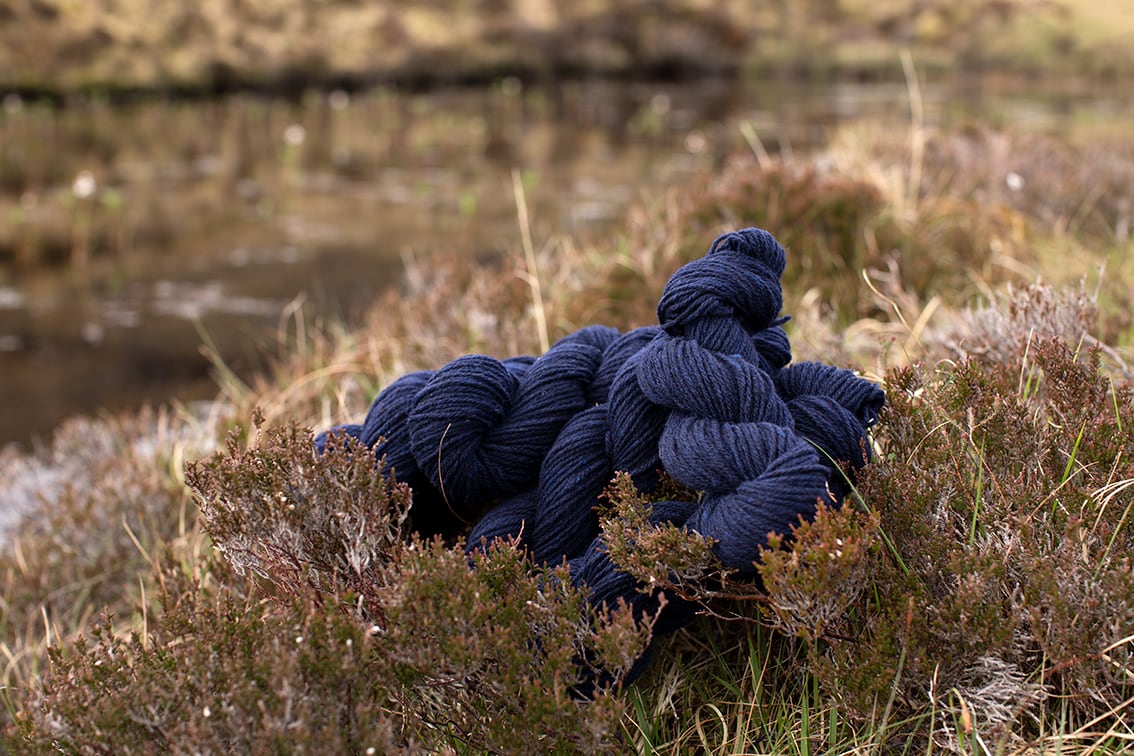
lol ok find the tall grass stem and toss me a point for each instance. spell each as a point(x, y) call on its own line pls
point(532, 271)
point(917, 128)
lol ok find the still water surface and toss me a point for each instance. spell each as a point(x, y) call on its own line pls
point(130, 233)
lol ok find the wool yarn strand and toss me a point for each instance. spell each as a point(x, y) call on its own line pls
point(523, 448)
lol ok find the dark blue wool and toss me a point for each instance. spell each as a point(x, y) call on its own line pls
point(523, 448)
point(710, 384)
point(569, 487)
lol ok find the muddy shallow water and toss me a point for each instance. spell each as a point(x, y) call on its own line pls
point(130, 233)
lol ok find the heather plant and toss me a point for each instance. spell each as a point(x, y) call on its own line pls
point(484, 650)
point(83, 522)
point(319, 526)
point(478, 660)
point(1000, 577)
point(659, 554)
point(1001, 331)
point(320, 624)
point(216, 669)
point(1014, 470)
point(975, 592)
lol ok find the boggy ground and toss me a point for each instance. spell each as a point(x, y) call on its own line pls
point(54, 47)
point(985, 598)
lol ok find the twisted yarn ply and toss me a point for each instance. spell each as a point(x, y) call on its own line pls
point(523, 447)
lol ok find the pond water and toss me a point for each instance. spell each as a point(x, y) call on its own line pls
point(130, 233)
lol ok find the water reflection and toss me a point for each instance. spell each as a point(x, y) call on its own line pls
point(128, 231)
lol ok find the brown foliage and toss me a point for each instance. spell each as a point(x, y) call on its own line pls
point(350, 634)
point(981, 564)
point(1000, 570)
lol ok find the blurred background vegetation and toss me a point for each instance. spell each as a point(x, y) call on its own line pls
point(215, 45)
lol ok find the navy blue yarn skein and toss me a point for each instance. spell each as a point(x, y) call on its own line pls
point(522, 448)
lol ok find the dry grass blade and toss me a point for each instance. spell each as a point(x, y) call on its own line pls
point(531, 273)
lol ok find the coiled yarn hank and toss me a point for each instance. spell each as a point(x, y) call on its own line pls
point(522, 448)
